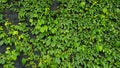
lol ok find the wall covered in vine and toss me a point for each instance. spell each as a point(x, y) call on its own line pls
point(59, 34)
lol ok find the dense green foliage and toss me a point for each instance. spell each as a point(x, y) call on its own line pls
point(78, 33)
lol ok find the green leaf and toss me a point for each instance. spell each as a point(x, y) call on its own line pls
point(82, 4)
point(118, 10)
point(1, 42)
point(1, 16)
point(15, 32)
point(53, 30)
point(117, 43)
point(57, 60)
point(14, 55)
point(35, 15)
point(56, 22)
point(102, 16)
point(99, 48)
point(40, 64)
point(47, 10)
point(23, 61)
point(2, 61)
point(40, 22)
point(4, 1)
point(104, 10)
point(43, 29)
point(21, 13)
point(31, 20)
point(48, 42)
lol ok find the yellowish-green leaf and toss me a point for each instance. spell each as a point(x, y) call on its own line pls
point(7, 23)
point(40, 22)
point(99, 48)
point(1, 28)
point(105, 10)
point(15, 32)
point(43, 29)
point(82, 4)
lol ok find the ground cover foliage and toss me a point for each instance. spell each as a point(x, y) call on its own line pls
point(59, 34)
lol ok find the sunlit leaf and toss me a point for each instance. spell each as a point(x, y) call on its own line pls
point(15, 32)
